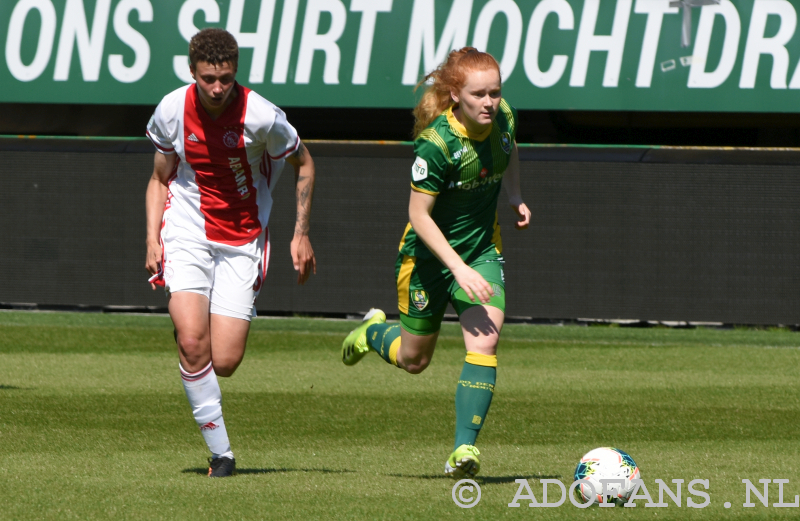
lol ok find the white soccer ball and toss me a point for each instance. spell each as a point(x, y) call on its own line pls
point(606, 463)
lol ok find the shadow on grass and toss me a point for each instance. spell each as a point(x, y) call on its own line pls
point(482, 480)
point(204, 471)
point(13, 387)
point(496, 480)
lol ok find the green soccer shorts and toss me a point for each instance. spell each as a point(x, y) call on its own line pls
point(424, 287)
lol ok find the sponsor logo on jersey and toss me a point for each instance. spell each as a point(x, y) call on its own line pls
point(231, 139)
point(192, 137)
point(210, 426)
point(458, 154)
point(241, 179)
point(420, 169)
point(482, 182)
point(505, 142)
point(420, 299)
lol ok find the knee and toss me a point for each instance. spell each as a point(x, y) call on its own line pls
point(224, 369)
point(416, 365)
point(226, 366)
point(486, 345)
point(192, 348)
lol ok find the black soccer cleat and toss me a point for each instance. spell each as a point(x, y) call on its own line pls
point(221, 467)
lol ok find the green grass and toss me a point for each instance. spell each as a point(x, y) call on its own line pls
point(94, 423)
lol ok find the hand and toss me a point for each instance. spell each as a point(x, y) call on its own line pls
point(303, 258)
point(152, 260)
point(523, 215)
point(473, 284)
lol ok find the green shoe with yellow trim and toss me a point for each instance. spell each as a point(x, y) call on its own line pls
point(463, 462)
point(355, 346)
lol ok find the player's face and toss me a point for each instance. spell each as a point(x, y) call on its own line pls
point(479, 99)
point(214, 84)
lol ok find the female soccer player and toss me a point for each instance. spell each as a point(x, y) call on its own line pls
point(220, 149)
point(451, 249)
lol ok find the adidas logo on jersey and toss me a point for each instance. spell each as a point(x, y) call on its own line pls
point(192, 137)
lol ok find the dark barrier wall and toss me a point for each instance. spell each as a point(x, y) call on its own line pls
point(628, 233)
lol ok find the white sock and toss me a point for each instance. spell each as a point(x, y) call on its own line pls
point(205, 397)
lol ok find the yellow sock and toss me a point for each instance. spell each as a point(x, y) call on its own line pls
point(393, 349)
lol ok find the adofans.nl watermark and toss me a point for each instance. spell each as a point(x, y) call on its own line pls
point(467, 494)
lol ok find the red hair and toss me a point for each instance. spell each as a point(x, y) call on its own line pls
point(448, 77)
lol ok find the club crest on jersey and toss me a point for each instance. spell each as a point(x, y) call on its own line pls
point(505, 142)
point(420, 299)
point(484, 172)
point(231, 139)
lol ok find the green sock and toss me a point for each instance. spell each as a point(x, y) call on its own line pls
point(380, 337)
point(473, 398)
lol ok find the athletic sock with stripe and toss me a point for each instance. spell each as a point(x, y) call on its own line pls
point(205, 397)
point(385, 340)
point(474, 396)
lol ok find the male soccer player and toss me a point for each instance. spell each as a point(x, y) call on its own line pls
point(220, 149)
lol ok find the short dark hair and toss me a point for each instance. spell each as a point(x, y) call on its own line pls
point(214, 46)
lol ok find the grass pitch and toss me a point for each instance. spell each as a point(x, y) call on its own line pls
point(94, 423)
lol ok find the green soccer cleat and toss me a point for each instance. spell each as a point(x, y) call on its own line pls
point(355, 346)
point(463, 462)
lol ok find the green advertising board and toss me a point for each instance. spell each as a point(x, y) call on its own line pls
point(654, 55)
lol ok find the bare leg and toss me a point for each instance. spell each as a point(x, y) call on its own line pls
point(415, 351)
point(207, 344)
point(203, 337)
point(481, 327)
point(189, 313)
point(228, 342)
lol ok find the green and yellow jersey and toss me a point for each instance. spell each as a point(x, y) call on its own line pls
point(464, 171)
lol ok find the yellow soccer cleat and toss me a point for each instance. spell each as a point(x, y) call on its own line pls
point(355, 346)
point(463, 462)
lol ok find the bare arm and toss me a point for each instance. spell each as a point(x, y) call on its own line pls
point(420, 207)
point(154, 201)
point(304, 174)
point(511, 184)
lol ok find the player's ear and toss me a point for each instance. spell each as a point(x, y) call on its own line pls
point(454, 96)
point(191, 70)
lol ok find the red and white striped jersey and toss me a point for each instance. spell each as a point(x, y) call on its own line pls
point(228, 167)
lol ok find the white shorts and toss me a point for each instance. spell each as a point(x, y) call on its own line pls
point(229, 276)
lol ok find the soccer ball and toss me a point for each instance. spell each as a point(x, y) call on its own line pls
point(606, 463)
